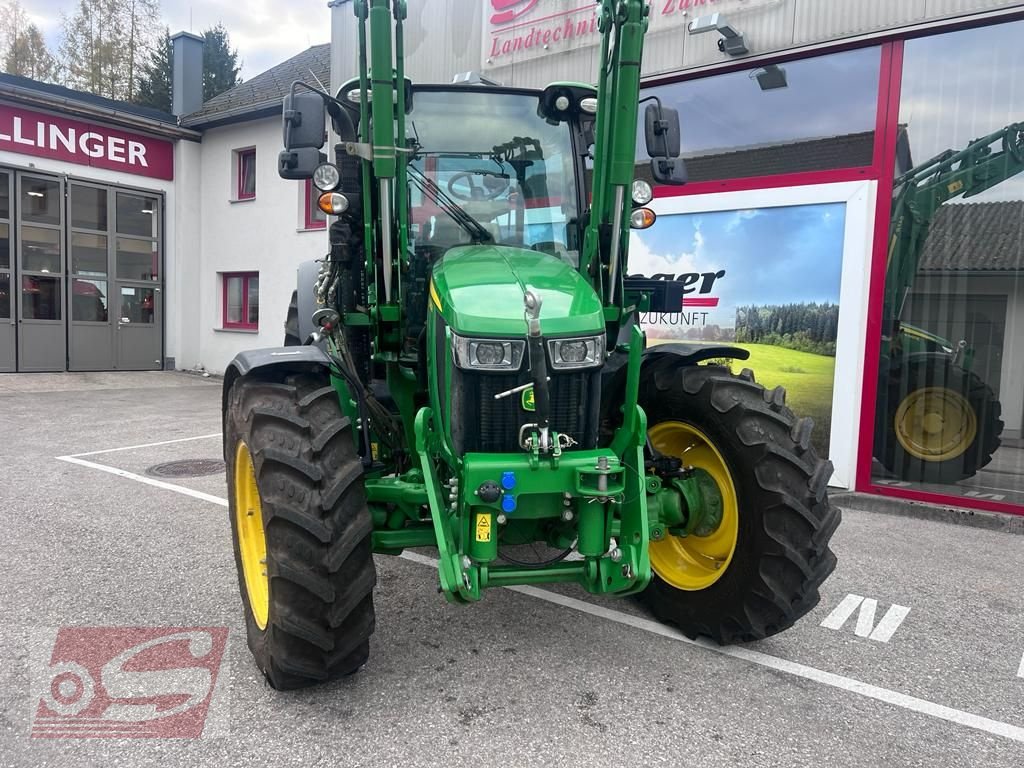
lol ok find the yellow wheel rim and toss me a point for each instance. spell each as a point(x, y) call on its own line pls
point(935, 424)
point(252, 541)
point(696, 562)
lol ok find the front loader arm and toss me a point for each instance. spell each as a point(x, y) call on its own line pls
point(605, 242)
point(926, 187)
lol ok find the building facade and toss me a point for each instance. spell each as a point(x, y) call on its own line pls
point(866, 279)
point(855, 191)
point(132, 239)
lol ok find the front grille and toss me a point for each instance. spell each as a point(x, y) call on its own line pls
point(481, 423)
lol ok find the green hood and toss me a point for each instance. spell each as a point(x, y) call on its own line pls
point(481, 287)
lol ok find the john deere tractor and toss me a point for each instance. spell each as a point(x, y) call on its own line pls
point(471, 377)
point(939, 421)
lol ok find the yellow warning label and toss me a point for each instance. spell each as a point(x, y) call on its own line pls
point(483, 528)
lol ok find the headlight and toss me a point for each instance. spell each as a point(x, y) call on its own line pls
point(642, 192)
point(488, 354)
point(585, 352)
point(327, 177)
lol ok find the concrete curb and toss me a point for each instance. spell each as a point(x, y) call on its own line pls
point(990, 521)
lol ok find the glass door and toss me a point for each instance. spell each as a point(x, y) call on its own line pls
point(139, 330)
point(91, 332)
point(8, 308)
point(40, 271)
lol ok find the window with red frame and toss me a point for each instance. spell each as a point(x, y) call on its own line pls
point(241, 300)
point(246, 174)
point(315, 218)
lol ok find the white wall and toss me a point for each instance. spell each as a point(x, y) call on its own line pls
point(264, 235)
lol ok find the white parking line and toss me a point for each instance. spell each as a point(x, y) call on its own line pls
point(147, 480)
point(849, 684)
point(144, 445)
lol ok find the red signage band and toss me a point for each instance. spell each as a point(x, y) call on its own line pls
point(34, 133)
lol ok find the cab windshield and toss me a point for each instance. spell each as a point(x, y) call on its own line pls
point(492, 155)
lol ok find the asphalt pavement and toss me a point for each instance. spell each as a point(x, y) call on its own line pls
point(913, 658)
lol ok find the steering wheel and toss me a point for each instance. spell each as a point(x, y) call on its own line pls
point(466, 186)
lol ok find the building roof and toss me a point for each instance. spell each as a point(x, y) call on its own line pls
point(90, 106)
point(986, 237)
point(262, 95)
point(60, 92)
point(851, 150)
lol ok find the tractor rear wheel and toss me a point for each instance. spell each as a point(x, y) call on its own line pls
point(943, 423)
point(760, 568)
point(301, 529)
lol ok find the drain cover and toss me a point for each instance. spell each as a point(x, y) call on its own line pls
point(187, 468)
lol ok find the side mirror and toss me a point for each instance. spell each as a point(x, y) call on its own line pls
point(661, 130)
point(304, 116)
point(669, 170)
point(662, 135)
point(299, 163)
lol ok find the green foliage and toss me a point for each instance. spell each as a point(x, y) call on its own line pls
point(220, 63)
point(106, 43)
point(803, 327)
point(28, 56)
point(155, 83)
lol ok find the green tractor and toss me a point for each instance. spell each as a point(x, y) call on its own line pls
point(939, 420)
point(471, 376)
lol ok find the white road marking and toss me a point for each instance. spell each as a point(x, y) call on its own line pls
point(866, 618)
point(144, 445)
point(842, 612)
point(1020, 669)
point(147, 480)
point(889, 623)
point(841, 682)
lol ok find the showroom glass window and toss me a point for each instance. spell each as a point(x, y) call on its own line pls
point(811, 114)
point(950, 402)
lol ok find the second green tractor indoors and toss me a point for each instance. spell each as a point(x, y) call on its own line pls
point(464, 371)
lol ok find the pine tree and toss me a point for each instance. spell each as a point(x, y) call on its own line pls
point(155, 82)
point(28, 56)
point(220, 63)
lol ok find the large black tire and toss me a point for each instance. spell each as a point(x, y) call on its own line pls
point(897, 452)
point(785, 521)
point(291, 323)
point(317, 527)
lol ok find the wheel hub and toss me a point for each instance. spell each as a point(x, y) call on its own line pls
point(935, 424)
point(698, 549)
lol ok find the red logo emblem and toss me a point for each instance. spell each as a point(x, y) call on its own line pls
point(510, 10)
point(129, 682)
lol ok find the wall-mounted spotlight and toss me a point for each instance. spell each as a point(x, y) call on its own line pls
point(731, 42)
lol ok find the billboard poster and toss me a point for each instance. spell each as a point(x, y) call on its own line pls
point(765, 279)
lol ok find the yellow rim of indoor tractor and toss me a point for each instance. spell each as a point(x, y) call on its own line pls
point(252, 541)
point(696, 562)
point(935, 424)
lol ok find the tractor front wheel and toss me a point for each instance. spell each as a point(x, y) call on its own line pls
point(301, 529)
point(759, 569)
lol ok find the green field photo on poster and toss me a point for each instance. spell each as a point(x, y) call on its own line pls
point(764, 279)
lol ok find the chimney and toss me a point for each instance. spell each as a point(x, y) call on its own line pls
point(187, 79)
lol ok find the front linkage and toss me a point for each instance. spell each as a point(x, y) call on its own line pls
point(594, 501)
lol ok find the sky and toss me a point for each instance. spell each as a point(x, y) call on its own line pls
point(264, 32)
point(802, 264)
